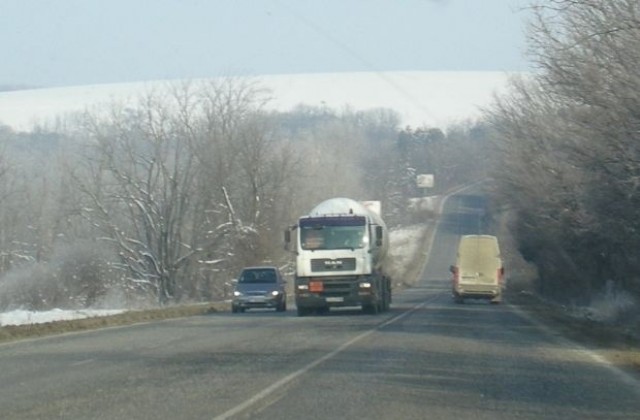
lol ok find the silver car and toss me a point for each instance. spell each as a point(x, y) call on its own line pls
point(259, 287)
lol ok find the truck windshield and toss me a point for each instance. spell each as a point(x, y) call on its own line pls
point(333, 233)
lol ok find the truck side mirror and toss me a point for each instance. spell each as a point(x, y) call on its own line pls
point(287, 239)
point(379, 235)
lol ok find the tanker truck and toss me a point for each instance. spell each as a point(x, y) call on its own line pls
point(340, 252)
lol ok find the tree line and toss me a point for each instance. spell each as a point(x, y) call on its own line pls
point(568, 139)
point(164, 201)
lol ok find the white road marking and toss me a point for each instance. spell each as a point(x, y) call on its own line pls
point(284, 381)
point(82, 362)
point(578, 348)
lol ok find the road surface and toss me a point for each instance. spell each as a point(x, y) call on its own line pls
point(426, 358)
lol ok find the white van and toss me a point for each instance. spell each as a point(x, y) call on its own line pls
point(478, 272)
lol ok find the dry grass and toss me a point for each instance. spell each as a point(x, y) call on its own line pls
point(616, 343)
point(619, 344)
point(18, 332)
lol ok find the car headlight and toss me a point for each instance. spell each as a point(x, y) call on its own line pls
point(275, 293)
point(236, 293)
point(365, 285)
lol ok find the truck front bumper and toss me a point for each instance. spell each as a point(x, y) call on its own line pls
point(316, 300)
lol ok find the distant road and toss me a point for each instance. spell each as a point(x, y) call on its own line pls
point(427, 358)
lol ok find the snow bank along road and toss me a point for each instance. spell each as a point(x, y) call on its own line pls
point(426, 358)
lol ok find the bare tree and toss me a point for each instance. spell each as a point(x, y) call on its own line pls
point(569, 141)
point(139, 186)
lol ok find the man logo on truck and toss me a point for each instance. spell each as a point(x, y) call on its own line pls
point(333, 263)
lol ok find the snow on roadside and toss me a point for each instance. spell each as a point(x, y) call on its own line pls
point(404, 249)
point(405, 244)
point(22, 317)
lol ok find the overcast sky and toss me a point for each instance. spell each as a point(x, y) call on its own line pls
point(76, 42)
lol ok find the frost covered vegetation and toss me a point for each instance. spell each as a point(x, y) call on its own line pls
point(568, 142)
point(163, 202)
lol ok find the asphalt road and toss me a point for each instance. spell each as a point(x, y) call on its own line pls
point(427, 358)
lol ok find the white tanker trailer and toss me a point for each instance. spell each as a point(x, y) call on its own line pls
point(340, 247)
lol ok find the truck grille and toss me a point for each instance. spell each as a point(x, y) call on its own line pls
point(340, 287)
point(320, 265)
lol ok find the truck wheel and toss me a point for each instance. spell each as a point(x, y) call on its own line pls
point(372, 309)
point(323, 311)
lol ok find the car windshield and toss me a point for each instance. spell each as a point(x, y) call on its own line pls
point(258, 276)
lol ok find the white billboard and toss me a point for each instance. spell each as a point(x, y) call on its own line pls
point(425, 181)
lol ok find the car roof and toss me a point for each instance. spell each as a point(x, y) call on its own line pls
point(260, 267)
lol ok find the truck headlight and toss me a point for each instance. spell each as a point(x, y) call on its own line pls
point(275, 293)
point(365, 285)
point(236, 293)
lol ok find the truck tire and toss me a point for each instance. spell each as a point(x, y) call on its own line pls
point(372, 309)
point(303, 311)
point(386, 305)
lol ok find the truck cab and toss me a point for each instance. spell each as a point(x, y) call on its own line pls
point(339, 249)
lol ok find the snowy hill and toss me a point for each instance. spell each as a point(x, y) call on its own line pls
point(433, 99)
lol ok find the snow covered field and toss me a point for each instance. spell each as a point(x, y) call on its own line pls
point(434, 99)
